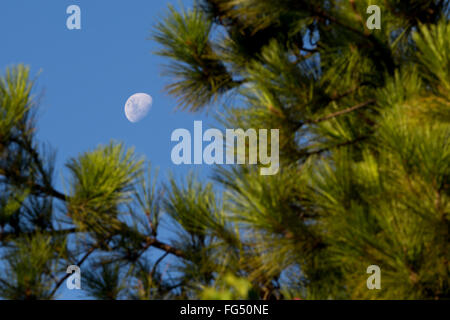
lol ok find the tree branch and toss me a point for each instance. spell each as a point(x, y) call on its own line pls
point(153, 242)
point(149, 241)
point(50, 191)
point(79, 263)
point(46, 188)
point(341, 112)
point(155, 266)
point(342, 144)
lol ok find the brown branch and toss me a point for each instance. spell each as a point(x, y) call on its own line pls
point(342, 112)
point(50, 191)
point(355, 10)
point(153, 242)
point(319, 12)
point(149, 241)
point(338, 96)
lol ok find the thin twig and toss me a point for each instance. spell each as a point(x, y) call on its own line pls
point(345, 111)
point(152, 273)
point(79, 263)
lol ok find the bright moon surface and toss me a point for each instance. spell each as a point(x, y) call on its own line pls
point(137, 106)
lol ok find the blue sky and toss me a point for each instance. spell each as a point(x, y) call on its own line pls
point(86, 76)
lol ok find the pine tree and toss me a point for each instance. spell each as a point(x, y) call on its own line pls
point(364, 119)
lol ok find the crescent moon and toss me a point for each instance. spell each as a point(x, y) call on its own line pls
point(137, 106)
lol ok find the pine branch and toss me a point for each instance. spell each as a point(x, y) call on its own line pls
point(384, 53)
point(46, 188)
point(50, 191)
point(153, 242)
point(298, 125)
point(339, 145)
point(150, 242)
point(321, 13)
point(342, 112)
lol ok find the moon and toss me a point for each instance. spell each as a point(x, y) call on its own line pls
point(137, 106)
